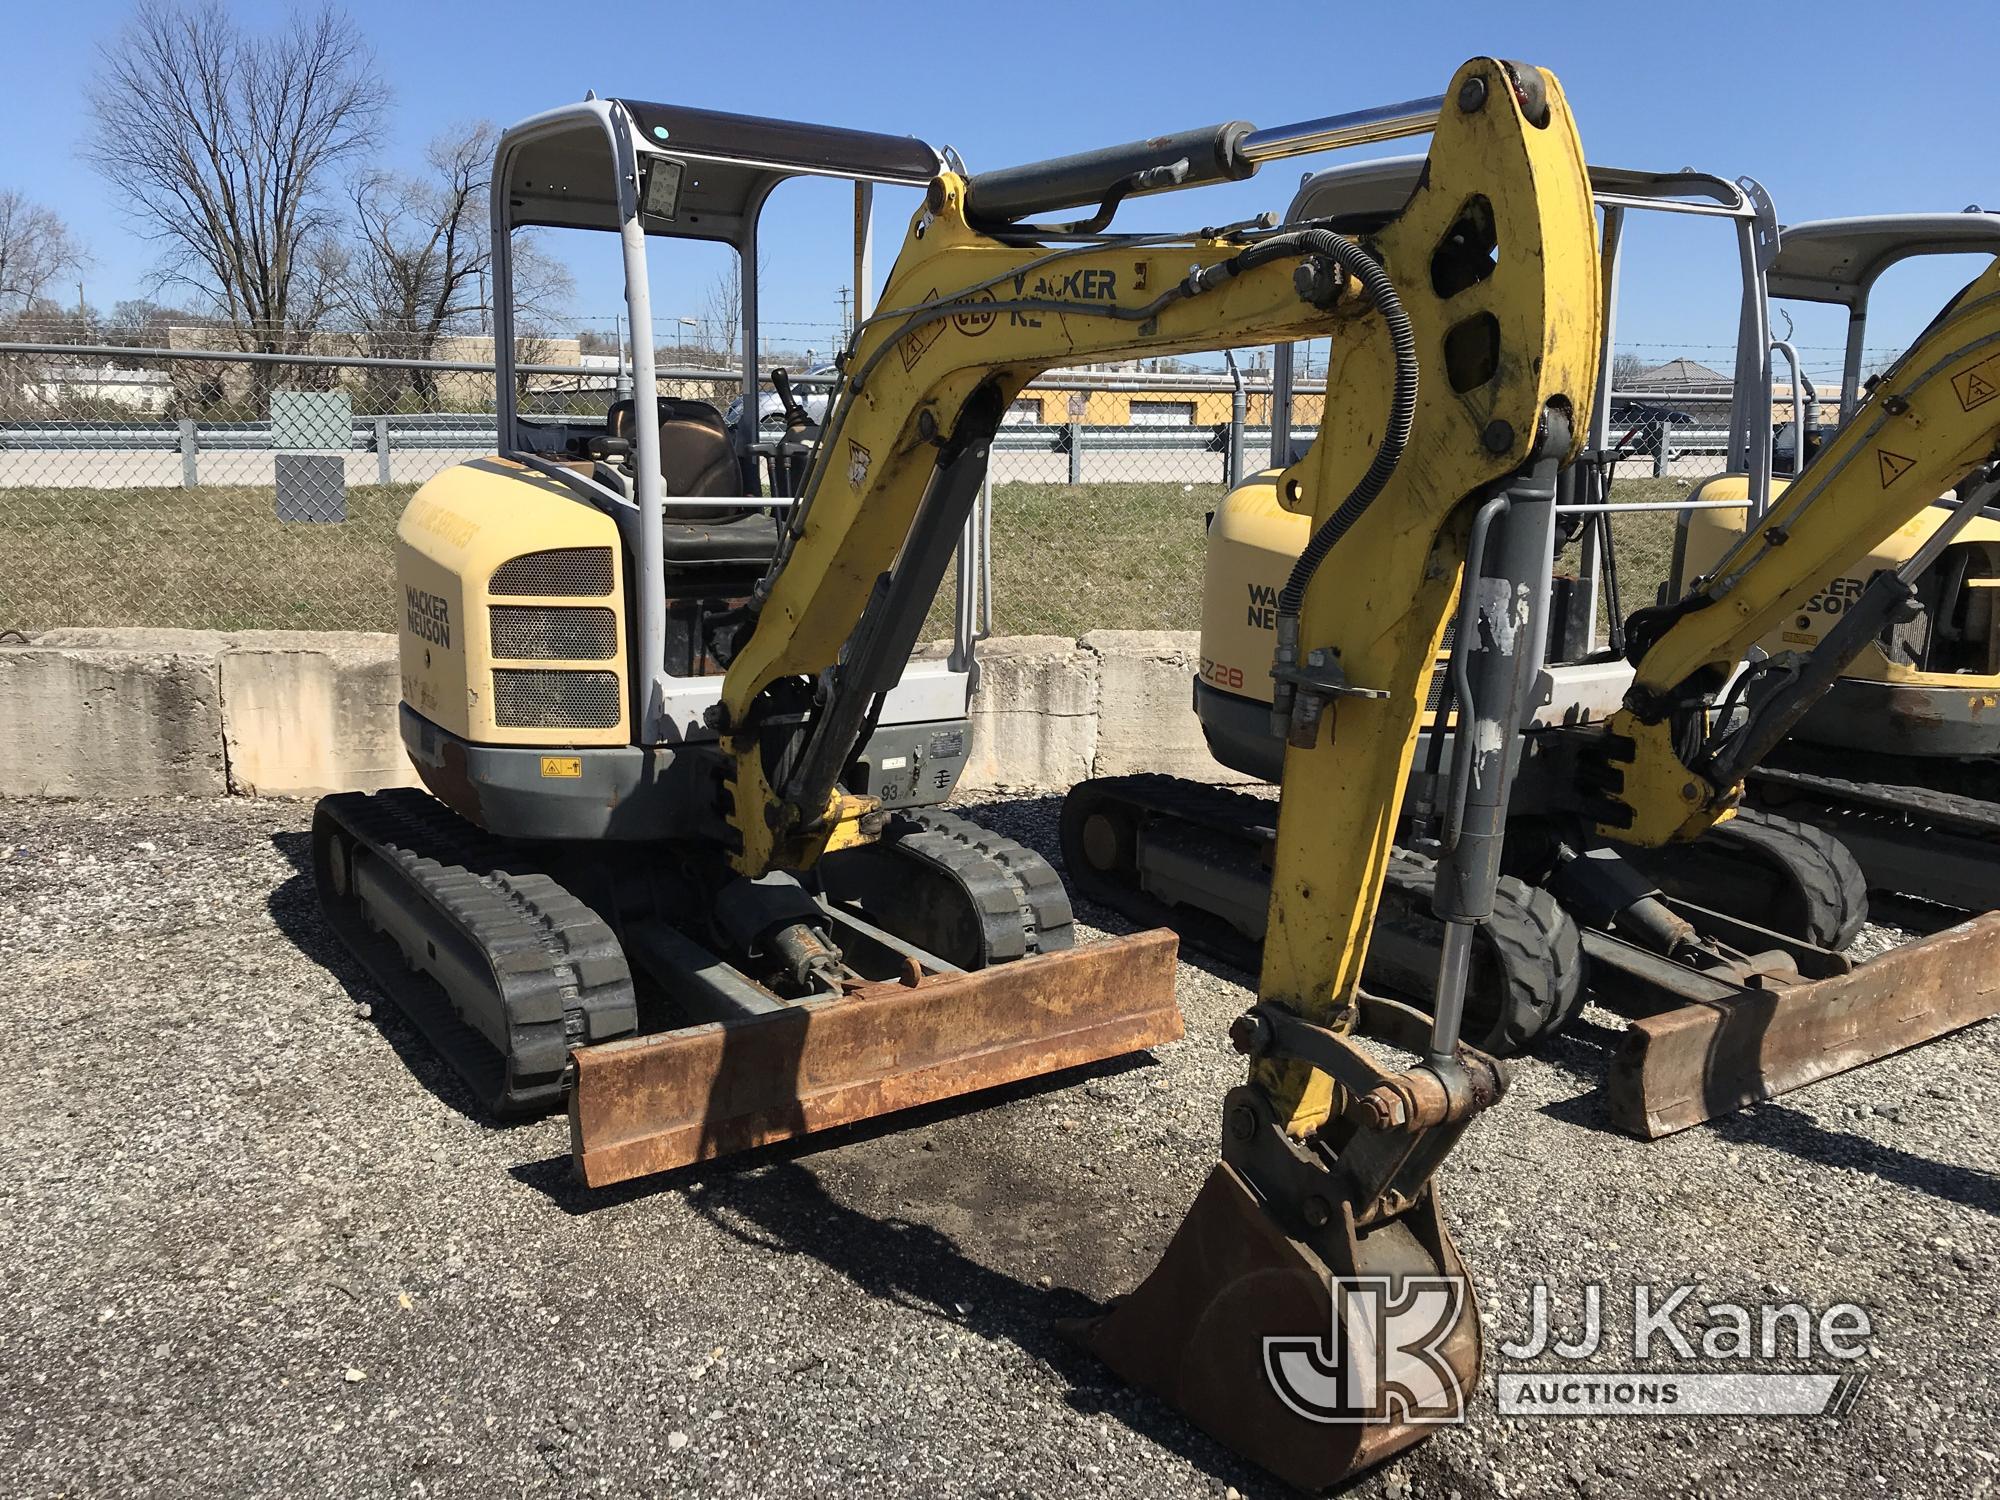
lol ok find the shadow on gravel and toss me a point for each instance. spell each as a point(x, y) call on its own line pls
point(294, 907)
point(1798, 1134)
point(786, 1209)
point(552, 1176)
point(1792, 1131)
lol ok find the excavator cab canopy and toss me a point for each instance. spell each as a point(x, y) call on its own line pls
point(662, 170)
point(1838, 261)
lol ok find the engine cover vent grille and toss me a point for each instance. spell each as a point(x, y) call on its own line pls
point(528, 632)
point(570, 572)
point(541, 699)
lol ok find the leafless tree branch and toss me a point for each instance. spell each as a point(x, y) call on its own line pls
point(36, 247)
point(243, 136)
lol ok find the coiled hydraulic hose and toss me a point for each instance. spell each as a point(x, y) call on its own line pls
point(1355, 261)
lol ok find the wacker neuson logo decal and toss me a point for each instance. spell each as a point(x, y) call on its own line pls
point(1382, 1359)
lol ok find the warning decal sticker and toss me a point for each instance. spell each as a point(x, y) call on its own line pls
point(1894, 466)
point(1978, 385)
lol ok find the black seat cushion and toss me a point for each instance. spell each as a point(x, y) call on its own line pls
point(748, 542)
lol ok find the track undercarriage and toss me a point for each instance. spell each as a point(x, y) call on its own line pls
point(1726, 1009)
point(682, 1013)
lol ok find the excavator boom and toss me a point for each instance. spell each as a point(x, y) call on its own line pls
point(1928, 427)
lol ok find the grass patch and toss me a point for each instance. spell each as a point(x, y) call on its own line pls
point(1066, 558)
point(1072, 558)
point(213, 558)
point(1643, 541)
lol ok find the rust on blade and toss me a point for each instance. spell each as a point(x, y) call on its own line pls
point(649, 1104)
point(1709, 1058)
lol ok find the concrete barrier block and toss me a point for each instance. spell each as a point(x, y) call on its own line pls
point(1145, 705)
point(307, 713)
point(1034, 716)
point(101, 722)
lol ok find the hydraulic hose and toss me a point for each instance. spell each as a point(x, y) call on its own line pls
point(1355, 261)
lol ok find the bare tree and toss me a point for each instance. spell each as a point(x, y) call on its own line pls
point(720, 326)
point(226, 145)
point(422, 261)
point(1626, 367)
point(36, 247)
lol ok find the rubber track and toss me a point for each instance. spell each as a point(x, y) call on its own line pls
point(1925, 805)
point(560, 976)
point(1531, 945)
point(1019, 899)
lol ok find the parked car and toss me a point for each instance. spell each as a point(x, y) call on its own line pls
point(771, 411)
point(1641, 426)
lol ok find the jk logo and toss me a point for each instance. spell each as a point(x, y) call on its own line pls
point(1381, 1361)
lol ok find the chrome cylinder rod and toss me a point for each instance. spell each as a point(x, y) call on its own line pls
point(1454, 973)
point(1361, 127)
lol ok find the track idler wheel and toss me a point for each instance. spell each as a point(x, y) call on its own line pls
point(1788, 877)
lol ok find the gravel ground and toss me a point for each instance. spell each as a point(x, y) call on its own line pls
point(256, 1246)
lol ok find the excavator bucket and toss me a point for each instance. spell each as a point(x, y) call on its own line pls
point(1710, 1057)
point(1273, 1342)
point(651, 1103)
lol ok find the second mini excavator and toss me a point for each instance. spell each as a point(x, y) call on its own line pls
point(1752, 1011)
point(1901, 759)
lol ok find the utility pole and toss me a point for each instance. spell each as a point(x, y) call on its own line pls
point(843, 293)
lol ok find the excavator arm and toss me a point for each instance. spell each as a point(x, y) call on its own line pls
point(903, 455)
point(1669, 764)
point(1465, 336)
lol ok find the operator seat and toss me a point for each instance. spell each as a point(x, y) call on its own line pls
point(696, 457)
point(697, 461)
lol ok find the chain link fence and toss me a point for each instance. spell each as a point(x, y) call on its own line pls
point(197, 488)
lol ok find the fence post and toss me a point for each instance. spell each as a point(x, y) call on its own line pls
point(1075, 436)
point(381, 450)
point(1660, 453)
point(1234, 457)
point(190, 466)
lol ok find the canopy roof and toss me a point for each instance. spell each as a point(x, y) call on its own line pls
point(561, 172)
point(1838, 260)
point(1366, 193)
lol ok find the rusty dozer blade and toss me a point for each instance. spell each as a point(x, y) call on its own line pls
point(649, 1104)
point(1706, 1059)
point(1311, 1312)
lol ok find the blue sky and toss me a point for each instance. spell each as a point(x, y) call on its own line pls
point(1835, 111)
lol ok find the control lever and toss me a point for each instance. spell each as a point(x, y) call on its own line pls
point(796, 415)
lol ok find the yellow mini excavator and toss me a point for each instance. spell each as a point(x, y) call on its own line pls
point(675, 866)
point(678, 868)
point(1901, 758)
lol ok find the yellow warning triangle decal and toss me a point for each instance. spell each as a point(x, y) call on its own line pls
point(1894, 466)
point(1977, 389)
